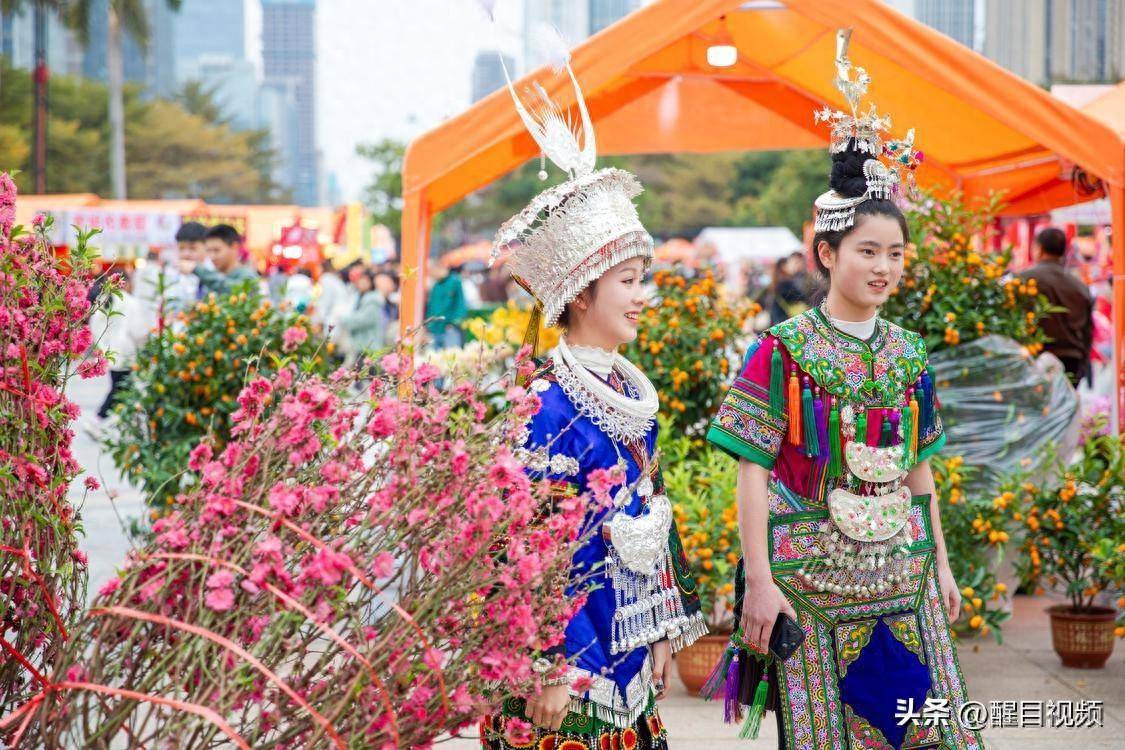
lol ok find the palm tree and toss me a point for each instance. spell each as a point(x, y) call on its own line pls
point(40, 8)
point(129, 15)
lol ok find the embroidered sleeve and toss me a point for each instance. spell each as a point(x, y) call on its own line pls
point(548, 444)
point(548, 454)
point(750, 423)
point(686, 585)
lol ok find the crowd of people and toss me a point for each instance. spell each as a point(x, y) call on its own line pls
point(356, 305)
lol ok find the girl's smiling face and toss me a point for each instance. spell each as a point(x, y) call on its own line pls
point(608, 312)
point(867, 267)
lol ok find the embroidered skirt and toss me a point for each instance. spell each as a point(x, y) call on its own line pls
point(862, 656)
point(578, 732)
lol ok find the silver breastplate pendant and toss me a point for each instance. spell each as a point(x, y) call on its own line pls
point(866, 536)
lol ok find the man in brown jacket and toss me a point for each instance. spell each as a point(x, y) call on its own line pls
point(1071, 331)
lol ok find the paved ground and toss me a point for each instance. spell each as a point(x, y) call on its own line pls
point(1024, 668)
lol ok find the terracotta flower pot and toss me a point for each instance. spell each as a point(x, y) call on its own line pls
point(695, 662)
point(1083, 640)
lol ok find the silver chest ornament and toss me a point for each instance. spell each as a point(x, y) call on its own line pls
point(866, 540)
point(639, 566)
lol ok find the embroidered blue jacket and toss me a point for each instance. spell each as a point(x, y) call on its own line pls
point(622, 682)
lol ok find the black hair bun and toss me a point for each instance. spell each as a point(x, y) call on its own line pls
point(847, 177)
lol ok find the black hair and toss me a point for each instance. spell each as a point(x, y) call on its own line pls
point(1052, 241)
point(564, 316)
point(847, 179)
point(191, 231)
point(224, 232)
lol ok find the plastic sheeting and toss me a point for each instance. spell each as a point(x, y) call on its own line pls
point(1000, 406)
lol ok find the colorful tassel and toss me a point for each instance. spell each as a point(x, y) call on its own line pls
point(907, 435)
point(915, 415)
point(927, 404)
point(861, 427)
point(753, 721)
point(874, 427)
point(835, 447)
point(809, 416)
point(794, 405)
point(777, 382)
point(718, 674)
point(886, 435)
point(732, 708)
point(820, 415)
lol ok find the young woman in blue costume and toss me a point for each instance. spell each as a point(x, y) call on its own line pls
point(833, 419)
point(580, 249)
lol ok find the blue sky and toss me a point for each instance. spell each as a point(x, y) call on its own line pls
point(395, 68)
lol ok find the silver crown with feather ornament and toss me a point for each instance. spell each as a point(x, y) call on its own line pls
point(572, 233)
point(884, 179)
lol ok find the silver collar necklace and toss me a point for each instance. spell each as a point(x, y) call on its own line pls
point(618, 415)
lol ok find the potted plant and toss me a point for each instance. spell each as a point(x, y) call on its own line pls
point(977, 533)
point(186, 381)
point(1076, 539)
point(687, 345)
point(700, 482)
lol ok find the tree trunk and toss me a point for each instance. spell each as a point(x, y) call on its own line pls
point(116, 74)
point(39, 111)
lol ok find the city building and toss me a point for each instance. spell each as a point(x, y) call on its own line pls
point(277, 112)
point(488, 73)
point(289, 57)
point(954, 18)
point(1057, 41)
point(1015, 36)
point(17, 43)
point(152, 65)
point(606, 12)
point(207, 30)
point(235, 87)
point(570, 17)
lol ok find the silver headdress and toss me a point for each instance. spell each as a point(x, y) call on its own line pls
point(572, 233)
point(862, 133)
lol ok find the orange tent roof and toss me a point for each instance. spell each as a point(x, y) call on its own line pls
point(1110, 109)
point(650, 89)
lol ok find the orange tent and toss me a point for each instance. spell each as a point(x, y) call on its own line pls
point(650, 89)
point(479, 252)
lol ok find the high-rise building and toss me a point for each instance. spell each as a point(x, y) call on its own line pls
point(235, 86)
point(152, 64)
point(1057, 41)
point(606, 12)
point(1016, 34)
point(17, 42)
point(570, 17)
point(208, 29)
point(954, 18)
point(277, 112)
point(289, 55)
point(488, 74)
point(1086, 41)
